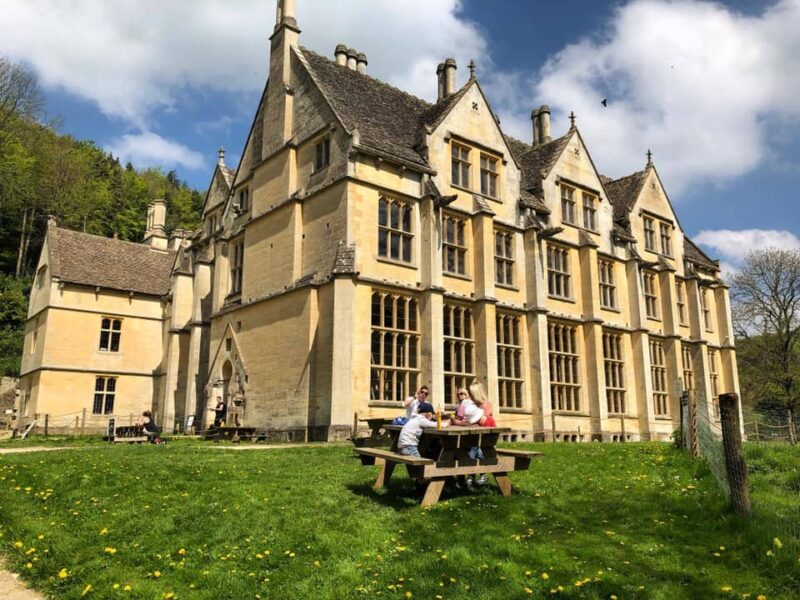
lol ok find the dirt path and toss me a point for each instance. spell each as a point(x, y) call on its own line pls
point(12, 588)
point(32, 449)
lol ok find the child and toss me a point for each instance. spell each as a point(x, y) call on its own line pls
point(408, 442)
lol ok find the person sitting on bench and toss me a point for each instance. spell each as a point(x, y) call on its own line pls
point(149, 428)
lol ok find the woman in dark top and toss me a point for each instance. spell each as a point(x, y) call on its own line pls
point(220, 413)
point(149, 427)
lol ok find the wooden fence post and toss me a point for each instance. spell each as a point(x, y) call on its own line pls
point(77, 422)
point(694, 447)
point(46, 424)
point(83, 421)
point(355, 426)
point(735, 466)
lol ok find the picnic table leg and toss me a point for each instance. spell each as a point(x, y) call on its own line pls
point(432, 492)
point(385, 474)
point(504, 483)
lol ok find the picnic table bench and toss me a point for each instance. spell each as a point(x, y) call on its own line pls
point(129, 434)
point(377, 436)
point(450, 448)
point(230, 433)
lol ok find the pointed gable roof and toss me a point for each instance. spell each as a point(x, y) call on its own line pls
point(536, 162)
point(692, 252)
point(623, 193)
point(386, 118)
point(103, 262)
point(220, 187)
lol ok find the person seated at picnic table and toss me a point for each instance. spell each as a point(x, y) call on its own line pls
point(480, 398)
point(469, 413)
point(408, 441)
point(149, 427)
point(411, 404)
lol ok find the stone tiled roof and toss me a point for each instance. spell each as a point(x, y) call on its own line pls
point(537, 161)
point(693, 253)
point(108, 263)
point(387, 119)
point(623, 192)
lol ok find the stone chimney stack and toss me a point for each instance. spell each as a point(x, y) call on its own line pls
point(278, 125)
point(285, 14)
point(440, 81)
point(177, 238)
point(341, 55)
point(449, 77)
point(155, 235)
point(544, 124)
point(361, 63)
point(535, 126)
point(352, 59)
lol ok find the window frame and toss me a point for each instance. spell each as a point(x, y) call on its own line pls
point(490, 177)
point(608, 286)
point(713, 380)
point(453, 246)
point(658, 378)
point(402, 230)
point(458, 347)
point(322, 154)
point(559, 277)
point(504, 261)
point(236, 266)
point(244, 199)
point(104, 398)
point(563, 351)
point(665, 238)
point(510, 361)
point(614, 372)
point(650, 290)
point(110, 335)
point(568, 204)
point(403, 369)
point(649, 224)
point(590, 209)
point(680, 293)
point(460, 165)
point(707, 317)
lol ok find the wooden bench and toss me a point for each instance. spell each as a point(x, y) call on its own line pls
point(377, 437)
point(130, 434)
point(522, 458)
point(388, 460)
point(230, 433)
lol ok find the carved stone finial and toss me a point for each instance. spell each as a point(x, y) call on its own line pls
point(572, 118)
point(221, 155)
point(471, 67)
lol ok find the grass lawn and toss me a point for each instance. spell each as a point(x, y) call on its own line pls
point(189, 521)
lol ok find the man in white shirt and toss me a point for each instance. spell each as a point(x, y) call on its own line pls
point(411, 403)
point(408, 442)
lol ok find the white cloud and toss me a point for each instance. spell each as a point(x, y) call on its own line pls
point(151, 150)
point(733, 245)
point(134, 57)
point(694, 81)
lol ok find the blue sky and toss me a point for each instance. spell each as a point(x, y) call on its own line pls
point(711, 88)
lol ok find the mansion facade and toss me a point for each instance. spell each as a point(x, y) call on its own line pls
point(370, 242)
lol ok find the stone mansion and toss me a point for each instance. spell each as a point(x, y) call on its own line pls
point(370, 242)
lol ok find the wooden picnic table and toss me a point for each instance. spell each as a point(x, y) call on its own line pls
point(377, 435)
point(445, 453)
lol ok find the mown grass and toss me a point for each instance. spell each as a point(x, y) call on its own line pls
point(188, 521)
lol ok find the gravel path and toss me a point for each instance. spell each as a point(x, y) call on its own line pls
point(12, 588)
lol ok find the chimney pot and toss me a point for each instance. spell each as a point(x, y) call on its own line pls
point(535, 126)
point(341, 54)
point(352, 59)
point(361, 63)
point(544, 124)
point(440, 81)
point(450, 76)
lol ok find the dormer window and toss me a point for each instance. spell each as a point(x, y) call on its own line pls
point(489, 175)
point(567, 204)
point(322, 154)
point(589, 211)
point(650, 234)
point(665, 230)
point(460, 165)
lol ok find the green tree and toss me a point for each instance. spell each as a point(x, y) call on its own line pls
point(13, 313)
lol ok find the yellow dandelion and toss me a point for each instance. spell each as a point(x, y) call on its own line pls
point(18, 544)
point(127, 588)
point(726, 588)
point(104, 531)
point(28, 565)
point(777, 543)
point(528, 590)
point(86, 590)
point(182, 552)
point(109, 550)
point(169, 595)
point(613, 597)
point(761, 597)
point(115, 586)
point(545, 576)
point(63, 574)
point(156, 574)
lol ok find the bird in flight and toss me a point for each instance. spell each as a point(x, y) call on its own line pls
point(604, 102)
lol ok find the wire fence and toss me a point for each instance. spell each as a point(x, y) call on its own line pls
point(755, 458)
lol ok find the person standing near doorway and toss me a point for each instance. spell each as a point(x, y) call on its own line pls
point(220, 413)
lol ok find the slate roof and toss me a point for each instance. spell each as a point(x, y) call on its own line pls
point(387, 119)
point(623, 192)
point(536, 161)
point(108, 263)
point(693, 253)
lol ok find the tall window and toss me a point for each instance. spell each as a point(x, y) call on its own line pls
point(509, 361)
point(615, 373)
point(688, 368)
point(567, 204)
point(322, 154)
point(713, 377)
point(665, 229)
point(558, 278)
point(110, 331)
point(650, 234)
point(394, 229)
point(40, 276)
point(489, 176)
point(658, 378)
point(650, 294)
point(503, 257)
point(244, 199)
point(608, 289)
point(706, 310)
point(565, 386)
point(454, 246)
point(105, 388)
point(680, 291)
point(589, 211)
point(237, 264)
point(459, 350)
point(394, 347)
point(459, 172)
